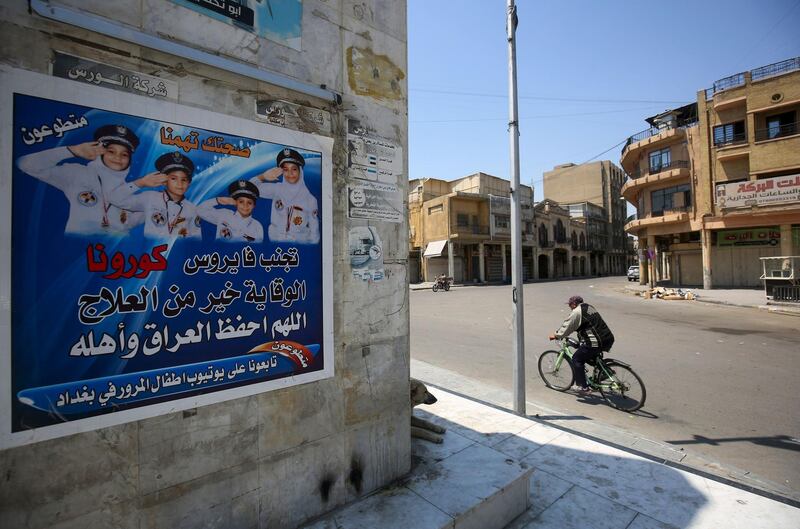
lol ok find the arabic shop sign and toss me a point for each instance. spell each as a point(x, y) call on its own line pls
point(749, 237)
point(767, 192)
point(99, 74)
point(156, 266)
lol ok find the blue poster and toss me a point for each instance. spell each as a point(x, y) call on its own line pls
point(153, 261)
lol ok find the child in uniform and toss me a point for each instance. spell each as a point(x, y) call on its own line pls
point(167, 213)
point(87, 187)
point(295, 213)
point(239, 225)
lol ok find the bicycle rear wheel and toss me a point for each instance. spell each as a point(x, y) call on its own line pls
point(625, 390)
point(558, 377)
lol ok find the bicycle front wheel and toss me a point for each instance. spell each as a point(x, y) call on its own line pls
point(625, 390)
point(557, 374)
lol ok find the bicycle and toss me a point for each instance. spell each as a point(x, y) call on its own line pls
point(619, 385)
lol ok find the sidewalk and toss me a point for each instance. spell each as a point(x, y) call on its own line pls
point(574, 483)
point(580, 483)
point(738, 297)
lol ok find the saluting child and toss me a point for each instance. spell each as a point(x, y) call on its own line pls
point(238, 225)
point(294, 215)
point(87, 187)
point(167, 212)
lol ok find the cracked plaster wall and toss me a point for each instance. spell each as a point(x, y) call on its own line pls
point(280, 458)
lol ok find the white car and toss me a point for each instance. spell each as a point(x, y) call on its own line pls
point(633, 273)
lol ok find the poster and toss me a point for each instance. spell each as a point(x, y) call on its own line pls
point(366, 253)
point(375, 201)
point(372, 158)
point(155, 258)
point(276, 20)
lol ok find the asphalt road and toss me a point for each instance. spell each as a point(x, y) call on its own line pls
point(722, 382)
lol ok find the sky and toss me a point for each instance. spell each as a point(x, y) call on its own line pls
point(588, 74)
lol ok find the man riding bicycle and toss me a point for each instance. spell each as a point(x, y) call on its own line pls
point(593, 334)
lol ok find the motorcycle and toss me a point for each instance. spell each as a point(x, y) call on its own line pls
point(442, 282)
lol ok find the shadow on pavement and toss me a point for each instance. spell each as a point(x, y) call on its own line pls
point(784, 442)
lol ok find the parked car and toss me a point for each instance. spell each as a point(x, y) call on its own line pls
point(633, 273)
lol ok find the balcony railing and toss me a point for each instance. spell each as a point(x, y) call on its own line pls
point(652, 131)
point(731, 81)
point(789, 129)
point(670, 211)
point(546, 244)
point(735, 139)
point(673, 164)
point(770, 70)
point(470, 229)
point(777, 68)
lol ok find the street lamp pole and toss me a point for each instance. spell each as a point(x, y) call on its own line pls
point(516, 235)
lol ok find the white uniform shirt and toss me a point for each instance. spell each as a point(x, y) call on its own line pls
point(231, 226)
point(294, 211)
point(87, 188)
point(163, 217)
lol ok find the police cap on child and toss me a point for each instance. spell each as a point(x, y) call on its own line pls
point(290, 155)
point(116, 134)
point(175, 161)
point(243, 188)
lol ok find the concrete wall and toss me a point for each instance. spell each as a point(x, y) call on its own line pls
point(279, 458)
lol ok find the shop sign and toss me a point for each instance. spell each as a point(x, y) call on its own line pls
point(749, 237)
point(767, 192)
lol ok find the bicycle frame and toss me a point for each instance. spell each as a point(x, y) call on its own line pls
point(568, 347)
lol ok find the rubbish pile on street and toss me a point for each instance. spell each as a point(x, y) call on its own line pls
point(668, 293)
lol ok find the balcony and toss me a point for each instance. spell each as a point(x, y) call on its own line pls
point(674, 170)
point(732, 139)
point(773, 133)
point(667, 216)
point(653, 136)
point(469, 231)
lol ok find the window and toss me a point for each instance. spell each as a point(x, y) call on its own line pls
point(671, 198)
point(502, 221)
point(435, 209)
point(583, 241)
point(559, 232)
point(729, 133)
point(462, 219)
point(542, 235)
point(659, 160)
point(781, 125)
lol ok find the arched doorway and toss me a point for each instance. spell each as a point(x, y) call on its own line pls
point(544, 265)
point(574, 266)
point(583, 266)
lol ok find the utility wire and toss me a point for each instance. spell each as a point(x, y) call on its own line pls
point(540, 116)
point(543, 98)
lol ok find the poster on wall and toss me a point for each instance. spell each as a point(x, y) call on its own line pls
point(276, 20)
point(161, 257)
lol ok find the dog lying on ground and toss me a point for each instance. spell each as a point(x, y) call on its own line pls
point(420, 428)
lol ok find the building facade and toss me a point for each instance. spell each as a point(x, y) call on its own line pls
point(562, 249)
point(462, 229)
point(716, 183)
point(597, 183)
